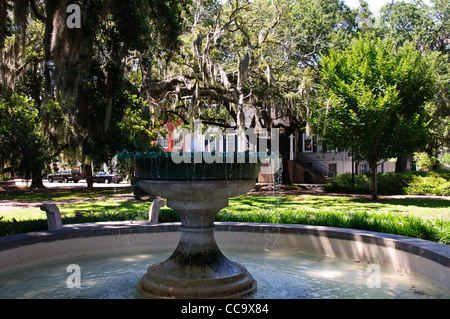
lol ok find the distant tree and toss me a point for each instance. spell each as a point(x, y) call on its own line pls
point(374, 100)
point(428, 27)
point(22, 145)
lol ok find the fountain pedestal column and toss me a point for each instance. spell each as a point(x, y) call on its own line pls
point(197, 268)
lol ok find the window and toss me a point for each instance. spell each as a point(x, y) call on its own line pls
point(332, 170)
point(231, 143)
point(363, 168)
point(163, 141)
point(177, 143)
point(307, 143)
point(210, 144)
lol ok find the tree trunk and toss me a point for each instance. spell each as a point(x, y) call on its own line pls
point(36, 179)
point(50, 12)
point(373, 170)
point(284, 145)
point(400, 164)
point(88, 175)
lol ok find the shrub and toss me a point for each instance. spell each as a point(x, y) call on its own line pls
point(425, 161)
point(393, 183)
point(409, 183)
point(431, 183)
point(342, 183)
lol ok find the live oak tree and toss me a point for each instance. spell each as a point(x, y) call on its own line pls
point(251, 59)
point(239, 55)
point(374, 100)
point(82, 92)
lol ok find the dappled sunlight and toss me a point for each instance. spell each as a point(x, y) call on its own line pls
point(422, 207)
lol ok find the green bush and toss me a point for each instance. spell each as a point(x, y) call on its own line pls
point(342, 183)
point(409, 183)
point(429, 185)
point(4, 178)
point(425, 161)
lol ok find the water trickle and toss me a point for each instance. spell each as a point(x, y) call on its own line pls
point(167, 167)
point(158, 168)
point(194, 165)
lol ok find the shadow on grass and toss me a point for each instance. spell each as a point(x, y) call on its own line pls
point(337, 202)
point(418, 202)
point(97, 207)
point(63, 193)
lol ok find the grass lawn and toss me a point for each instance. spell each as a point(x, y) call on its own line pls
point(422, 218)
point(107, 200)
point(426, 208)
point(69, 201)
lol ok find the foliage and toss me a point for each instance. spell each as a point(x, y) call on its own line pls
point(237, 56)
point(22, 144)
point(427, 26)
point(409, 183)
point(445, 159)
point(4, 178)
point(342, 183)
point(88, 107)
point(135, 65)
point(5, 22)
point(425, 161)
point(393, 223)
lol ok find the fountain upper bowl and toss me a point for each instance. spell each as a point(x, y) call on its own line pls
point(196, 166)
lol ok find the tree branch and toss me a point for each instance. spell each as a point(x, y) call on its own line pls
point(36, 12)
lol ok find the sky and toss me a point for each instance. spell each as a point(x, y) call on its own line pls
point(374, 5)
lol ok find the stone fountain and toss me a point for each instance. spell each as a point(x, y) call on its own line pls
point(197, 191)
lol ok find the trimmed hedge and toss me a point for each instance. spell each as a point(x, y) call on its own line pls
point(409, 183)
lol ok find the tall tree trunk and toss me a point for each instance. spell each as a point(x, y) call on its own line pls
point(373, 169)
point(400, 164)
point(89, 178)
point(51, 6)
point(86, 171)
point(36, 179)
point(284, 145)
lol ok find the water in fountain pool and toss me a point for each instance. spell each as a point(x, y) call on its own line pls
point(280, 274)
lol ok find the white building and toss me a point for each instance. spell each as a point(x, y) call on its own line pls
point(305, 152)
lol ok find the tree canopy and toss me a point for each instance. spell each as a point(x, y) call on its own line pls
point(133, 66)
point(375, 100)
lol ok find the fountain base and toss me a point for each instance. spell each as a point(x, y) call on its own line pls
point(197, 268)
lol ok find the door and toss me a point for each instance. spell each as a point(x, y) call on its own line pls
point(332, 170)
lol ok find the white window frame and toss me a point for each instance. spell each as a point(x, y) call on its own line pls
point(163, 141)
point(304, 138)
point(231, 143)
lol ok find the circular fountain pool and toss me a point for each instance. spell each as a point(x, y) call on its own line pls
point(287, 261)
point(282, 274)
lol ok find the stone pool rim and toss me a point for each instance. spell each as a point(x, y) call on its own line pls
point(434, 251)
